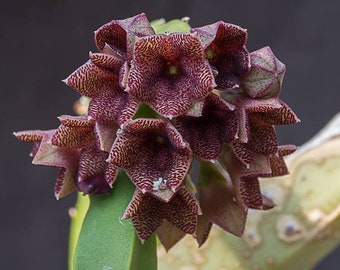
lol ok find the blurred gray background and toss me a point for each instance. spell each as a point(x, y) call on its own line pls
point(43, 41)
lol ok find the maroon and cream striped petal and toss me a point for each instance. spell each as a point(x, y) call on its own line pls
point(245, 107)
point(115, 106)
point(121, 34)
point(283, 115)
point(91, 80)
point(92, 162)
point(147, 213)
point(262, 137)
point(65, 183)
point(111, 173)
point(169, 73)
point(277, 162)
point(103, 60)
point(74, 132)
point(251, 193)
point(245, 177)
point(207, 134)
point(153, 154)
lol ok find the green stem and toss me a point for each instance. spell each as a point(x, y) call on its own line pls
point(106, 242)
point(77, 215)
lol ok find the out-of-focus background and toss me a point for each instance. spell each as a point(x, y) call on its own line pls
point(42, 42)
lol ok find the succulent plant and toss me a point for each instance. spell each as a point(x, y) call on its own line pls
point(161, 104)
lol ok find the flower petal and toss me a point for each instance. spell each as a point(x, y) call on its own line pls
point(91, 80)
point(108, 61)
point(74, 132)
point(146, 214)
point(169, 235)
point(105, 135)
point(115, 106)
point(219, 202)
point(65, 183)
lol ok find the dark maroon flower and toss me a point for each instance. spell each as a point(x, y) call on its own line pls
point(147, 213)
point(46, 154)
point(153, 154)
point(225, 49)
point(206, 134)
point(169, 72)
point(79, 147)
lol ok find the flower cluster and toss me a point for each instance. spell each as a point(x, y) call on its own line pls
point(159, 102)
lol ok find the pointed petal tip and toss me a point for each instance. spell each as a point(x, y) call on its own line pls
point(124, 217)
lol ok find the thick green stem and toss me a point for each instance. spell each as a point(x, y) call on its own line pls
point(106, 242)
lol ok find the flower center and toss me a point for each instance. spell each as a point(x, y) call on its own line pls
point(160, 140)
point(210, 54)
point(172, 69)
point(159, 184)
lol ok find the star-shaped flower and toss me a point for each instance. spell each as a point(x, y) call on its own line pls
point(154, 156)
point(208, 133)
point(79, 147)
point(169, 72)
point(225, 49)
point(147, 213)
point(46, 154)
